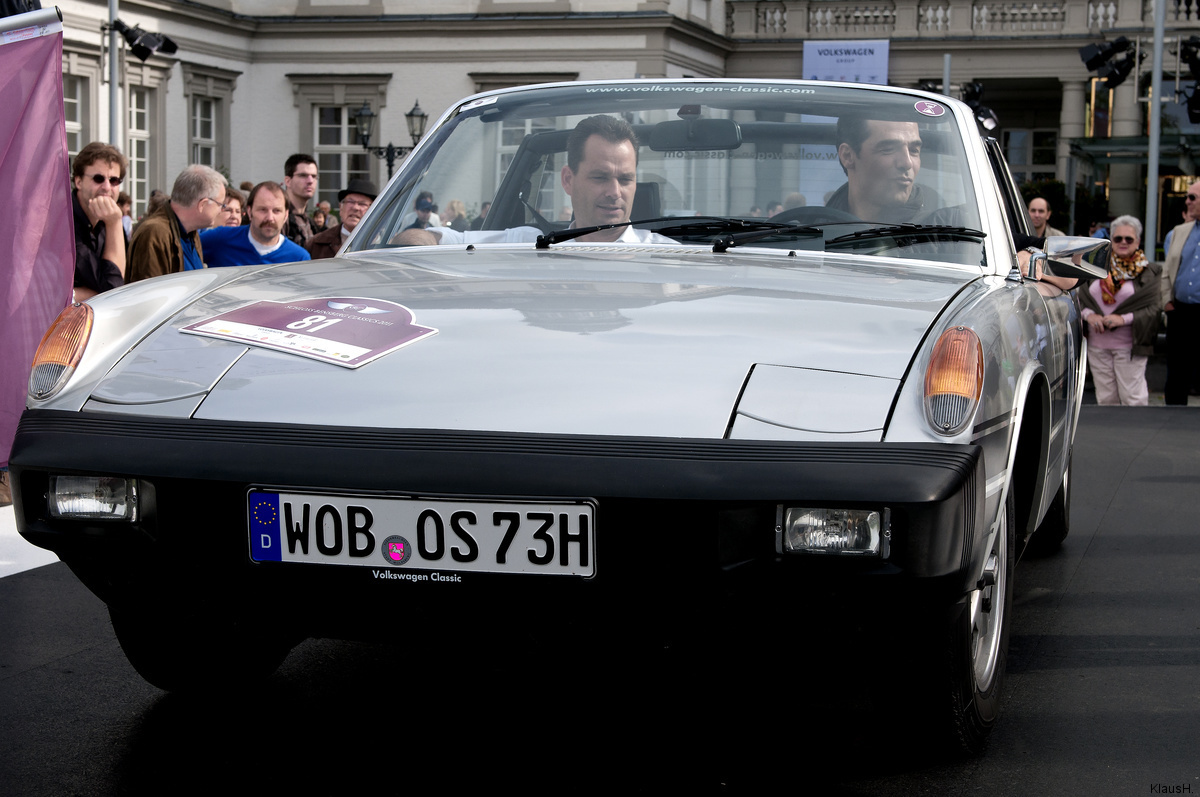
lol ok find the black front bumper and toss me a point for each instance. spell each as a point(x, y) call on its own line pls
point(683, 526)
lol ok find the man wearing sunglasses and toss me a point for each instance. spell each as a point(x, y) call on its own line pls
point(97, 172)
point(1181, 297)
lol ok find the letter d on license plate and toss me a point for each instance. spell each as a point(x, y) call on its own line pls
point(420, 534)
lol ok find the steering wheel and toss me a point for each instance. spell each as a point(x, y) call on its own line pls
point(815, 214)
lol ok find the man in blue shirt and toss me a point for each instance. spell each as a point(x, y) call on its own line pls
point(1181, 297)
point(262, 241)
point(165, 242)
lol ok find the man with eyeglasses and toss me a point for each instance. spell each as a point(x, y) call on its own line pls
point(166, 242)
point(97, 172)
point(1181, 300)
point(353, 201)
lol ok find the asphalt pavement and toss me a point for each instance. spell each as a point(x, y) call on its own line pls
point(1102, 696)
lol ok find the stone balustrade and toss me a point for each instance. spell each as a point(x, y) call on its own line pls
point(928, 19)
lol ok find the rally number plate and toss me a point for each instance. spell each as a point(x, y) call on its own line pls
point(423, 534)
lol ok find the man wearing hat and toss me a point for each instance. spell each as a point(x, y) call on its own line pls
point(353, 201)
point(423, 215)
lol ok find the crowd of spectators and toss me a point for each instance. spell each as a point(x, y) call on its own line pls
point(204, 222)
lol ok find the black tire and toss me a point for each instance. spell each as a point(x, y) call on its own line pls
point(1051, 534)
point(178, 653)
point(978, 643)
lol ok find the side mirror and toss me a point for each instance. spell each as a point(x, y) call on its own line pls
point(1074, 256)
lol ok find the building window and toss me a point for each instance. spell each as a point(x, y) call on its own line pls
point(137, 180)
point(210, 93)
point(339, 153)
point(145, 122)
point(74, 99)
point(204, 131)
point(1031, 154)
point(326, 104)
point(81, 76)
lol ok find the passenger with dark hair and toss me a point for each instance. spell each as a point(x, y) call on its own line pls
point(881, 160)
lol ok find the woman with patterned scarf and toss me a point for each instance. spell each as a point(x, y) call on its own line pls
point(1120, 315)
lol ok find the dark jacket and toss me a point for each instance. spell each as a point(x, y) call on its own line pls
point(1145, 305)
point(326, 244)
point(92, 270)
point(155, 247)
point(920, 201)
point(299, 227)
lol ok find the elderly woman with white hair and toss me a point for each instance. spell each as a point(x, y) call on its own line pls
point(1121, 315)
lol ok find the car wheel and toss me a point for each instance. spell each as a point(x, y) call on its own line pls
point(978, 642)
point(1056, 525)
point(181, 653)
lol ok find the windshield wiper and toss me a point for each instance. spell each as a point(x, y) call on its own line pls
point(732, 232)
point(924, 232)
point(558, 236)
point(730, 240)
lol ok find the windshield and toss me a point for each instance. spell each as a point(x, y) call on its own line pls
point(782, 165)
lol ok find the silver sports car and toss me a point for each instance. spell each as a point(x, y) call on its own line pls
point(623, 404)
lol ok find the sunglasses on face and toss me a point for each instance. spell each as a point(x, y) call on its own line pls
point(1124, 239)
point(99, 179)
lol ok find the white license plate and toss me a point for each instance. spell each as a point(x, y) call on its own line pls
point(423, 534)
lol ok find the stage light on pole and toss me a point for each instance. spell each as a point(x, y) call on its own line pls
point(1095, 56)
point(144, 44)
point(1111, 61)
point(973, 97)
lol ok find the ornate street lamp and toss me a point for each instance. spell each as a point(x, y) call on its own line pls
point(364, 121)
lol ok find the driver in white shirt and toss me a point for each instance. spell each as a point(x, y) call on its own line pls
point(601, 179)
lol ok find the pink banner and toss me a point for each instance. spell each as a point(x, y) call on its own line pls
point(37, 268)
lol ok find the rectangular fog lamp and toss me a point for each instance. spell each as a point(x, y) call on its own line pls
point(832, 531)
point(93, 498)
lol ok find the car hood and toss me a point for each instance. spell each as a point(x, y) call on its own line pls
point(578, 340)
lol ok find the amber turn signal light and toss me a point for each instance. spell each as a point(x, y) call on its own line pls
point(60, 351)
point(954, 380)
